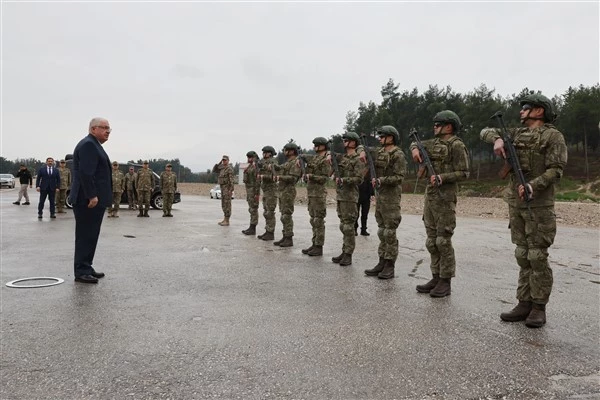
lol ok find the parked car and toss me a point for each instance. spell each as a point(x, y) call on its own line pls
point(7, 180)
point(215, 193)
point(156, 199)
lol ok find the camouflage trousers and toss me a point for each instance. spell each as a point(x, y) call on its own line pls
point(62, 199)
point(388, 217)
point(144, 199)
point(226, 194)
point(287, 197)
point(116, 201)
point(317, 210)
point(533, 234)
point(131, 198)
point(252, 201)
point(347, 212)
point(439, 217)
point(168, 203)
point(269, 206)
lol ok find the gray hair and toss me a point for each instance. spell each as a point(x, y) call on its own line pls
point(95, 121)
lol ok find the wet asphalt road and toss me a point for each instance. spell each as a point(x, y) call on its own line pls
point(192, 310)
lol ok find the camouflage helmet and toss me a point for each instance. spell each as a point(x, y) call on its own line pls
point(388, 130)
point(269, 149)
point(291, 146)
point(448, 117)
point(320, 141)
point(351, 136)
point(252, 154)
point(540, 100)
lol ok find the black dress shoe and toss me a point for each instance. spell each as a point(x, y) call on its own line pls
point(26, 203)
point(17, 203)
point(86, 279)
point(52, 216)
point(39, 216)
point(97, 274)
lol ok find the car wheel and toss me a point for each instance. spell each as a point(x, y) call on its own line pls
point(211, 196)
point(157, 202)
point(68, 200)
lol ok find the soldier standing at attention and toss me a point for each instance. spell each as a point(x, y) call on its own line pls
point(287, 176)
point(542, 154)
point(390, 167)
point(352, 171)
point(168, 187)
point(252, 191)
point(267, 184)
point(118, 185)
point(144, 183)
point(130, 186)
point(226, 180)
point(450, 162)
point(65, 184)
point(317, 174)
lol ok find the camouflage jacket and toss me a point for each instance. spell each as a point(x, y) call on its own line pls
point(320, 171)
point(65, 177)
point(450, 161)
point(144, 180)
point(130, 181)
point(264, 168)
point(250, 180)
point(168, 182)
point(390, 167)
point(352, 172)
point(542, 154)
point(288, 173)
point(118, 181)
point(226, 176)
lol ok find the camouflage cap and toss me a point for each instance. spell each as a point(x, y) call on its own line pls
point(62, 161)
point(145, 162)
point(113, 163)
point(225, 158)
point(169, 165)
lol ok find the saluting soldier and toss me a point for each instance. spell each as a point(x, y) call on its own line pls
point(144, 184)
point(287, 175)
point(252, 191)
point(317, 174)
point(450, 162)
point(267, 184)
point(226, 180)
point(168, 187)
point(130, 178)
point(118, 185)
point(65, 184)
point(542, 154)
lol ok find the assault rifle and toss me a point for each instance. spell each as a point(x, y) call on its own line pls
point(334, 163)
point(426, 163)
point(512, 160)
point(302, 161)
point(363, 138)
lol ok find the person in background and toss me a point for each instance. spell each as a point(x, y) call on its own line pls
point(25, 179)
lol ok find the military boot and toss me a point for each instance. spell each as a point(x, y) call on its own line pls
point(519, 313)
point(146, 213)
point(337, 259)
point(141, 214)
point(537, 316)
point(305, 251)
point(225, 221)
point(376, 269)
point(250, 231)
point(60, 210)
point(287, 241)
point(426, 288)
point(110, 214)
point(267, 236)
point(363, 232)
point(442, 289)
point(388, 270)
point(278, 242)
point(316, 251)
point(115, 214)
point(346, 259)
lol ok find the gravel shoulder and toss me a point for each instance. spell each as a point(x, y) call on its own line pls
point(567, 213)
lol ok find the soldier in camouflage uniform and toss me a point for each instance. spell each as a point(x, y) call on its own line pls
point(130, 187)
point(65, 184)
point(352, 173)
point(542, 154)
point(390, 167)
point(168, 187)
point(144, 183)
point(252, 191)
point(450, 161)
point(118, 185)
point(317, 174)
point(287, 175)
point(267, 183)
point(226, 180)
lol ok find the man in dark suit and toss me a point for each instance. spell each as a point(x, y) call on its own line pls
point(91, 194)
point(47, 183)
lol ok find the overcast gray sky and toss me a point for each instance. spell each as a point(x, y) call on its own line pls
point(198, 80)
